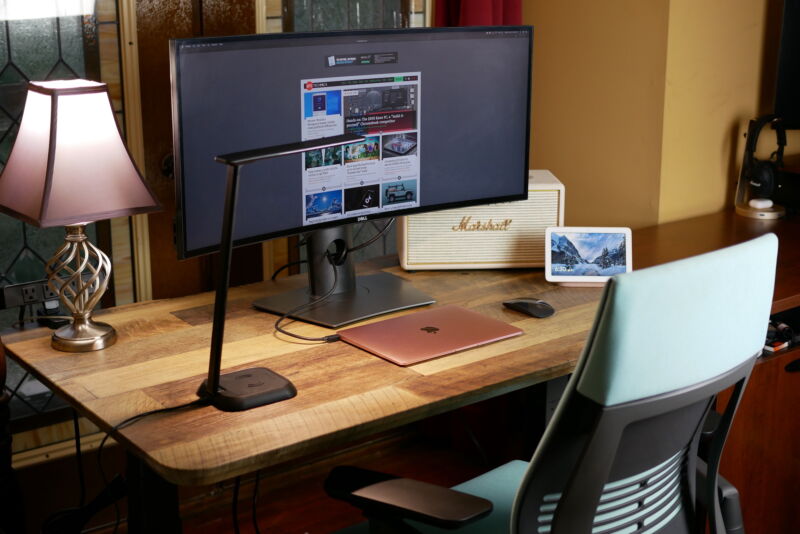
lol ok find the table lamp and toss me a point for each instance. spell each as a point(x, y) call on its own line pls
point(255, 386)
point(69, 167)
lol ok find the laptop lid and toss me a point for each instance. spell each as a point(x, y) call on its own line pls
point(428, 334)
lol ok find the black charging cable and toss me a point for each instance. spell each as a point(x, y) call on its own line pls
point(127, 422)
point(365, 244)
point(333, 260)
point(235, 504)
point(254, 505)
point(327, 339)
point(79, 458)
point(374, 238)
point(286, 266)
point(71, 518)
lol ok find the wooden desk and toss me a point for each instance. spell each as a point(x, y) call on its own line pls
point(344, 393)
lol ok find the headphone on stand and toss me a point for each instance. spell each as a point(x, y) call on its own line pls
point(763, 175)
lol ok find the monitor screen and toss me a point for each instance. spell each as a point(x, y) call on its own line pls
point(444, 114)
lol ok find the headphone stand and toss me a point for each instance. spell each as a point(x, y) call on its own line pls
point(775, 212)
point(757, 178)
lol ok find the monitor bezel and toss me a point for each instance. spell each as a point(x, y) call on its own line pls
point(177, 134)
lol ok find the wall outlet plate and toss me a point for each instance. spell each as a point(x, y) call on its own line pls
point(26, 293)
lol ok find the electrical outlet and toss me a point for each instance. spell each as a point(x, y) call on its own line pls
point(48, 293)
point(17, 295)
point(31, 294)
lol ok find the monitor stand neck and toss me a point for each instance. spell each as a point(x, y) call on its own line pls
point(329, 262)
point(355, 298)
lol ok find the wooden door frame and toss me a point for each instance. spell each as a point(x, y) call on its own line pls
point(139, 233)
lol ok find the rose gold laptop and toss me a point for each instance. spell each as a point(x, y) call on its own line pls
point(427, 334)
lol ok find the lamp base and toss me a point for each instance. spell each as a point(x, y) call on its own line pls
point(79, 273)
point(248, 388)
point(84, 336)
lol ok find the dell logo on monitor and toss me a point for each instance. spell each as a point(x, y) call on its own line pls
point(362, 218)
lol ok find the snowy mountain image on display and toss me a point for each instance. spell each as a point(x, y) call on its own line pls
point(587, 254)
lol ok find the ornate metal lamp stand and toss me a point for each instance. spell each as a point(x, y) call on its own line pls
point(79, 272)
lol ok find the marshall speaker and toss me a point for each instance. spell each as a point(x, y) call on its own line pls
point(494, 236)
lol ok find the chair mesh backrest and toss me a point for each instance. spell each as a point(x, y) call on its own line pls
point(621, 448)
point(650, 499)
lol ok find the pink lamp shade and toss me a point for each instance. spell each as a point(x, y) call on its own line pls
point(69, 164)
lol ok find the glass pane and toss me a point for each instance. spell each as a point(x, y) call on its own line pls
point(393, 16)
point(302, 15)
point(365, 14)
point(328, 15)
point(34, 46)
point(70, 31)
point(324, 15)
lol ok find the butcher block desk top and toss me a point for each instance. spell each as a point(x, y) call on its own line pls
point(344, 393)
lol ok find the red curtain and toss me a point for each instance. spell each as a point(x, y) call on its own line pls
point(477, 12)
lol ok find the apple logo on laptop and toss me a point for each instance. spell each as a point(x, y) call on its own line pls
point(429, 329)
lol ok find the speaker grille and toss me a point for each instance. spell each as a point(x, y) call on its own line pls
point(509, 234)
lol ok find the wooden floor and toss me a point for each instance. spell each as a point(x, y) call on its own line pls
point(295, 502)
point(446, 450)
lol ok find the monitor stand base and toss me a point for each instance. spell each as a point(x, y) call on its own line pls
point(374, 294)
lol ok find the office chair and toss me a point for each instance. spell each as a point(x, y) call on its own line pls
point(620, 453)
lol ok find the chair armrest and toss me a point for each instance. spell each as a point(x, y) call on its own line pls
point(728, 496)
point(380, 495)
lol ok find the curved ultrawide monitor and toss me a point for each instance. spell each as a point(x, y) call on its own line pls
point(444, 112)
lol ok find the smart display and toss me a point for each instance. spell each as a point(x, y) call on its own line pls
point(586, 254)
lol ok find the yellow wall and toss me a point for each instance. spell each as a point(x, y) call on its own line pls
point(598, 100)
point(638, 105)
point(712, 89)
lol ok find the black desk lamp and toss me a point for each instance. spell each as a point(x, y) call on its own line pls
point(257, 386)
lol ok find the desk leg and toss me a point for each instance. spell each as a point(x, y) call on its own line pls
point(11, 512)
point(153, 506)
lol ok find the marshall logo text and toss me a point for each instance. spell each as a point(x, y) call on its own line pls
point(466, 225)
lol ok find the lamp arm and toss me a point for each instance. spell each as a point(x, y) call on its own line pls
point(220, 302)
point(270, 387)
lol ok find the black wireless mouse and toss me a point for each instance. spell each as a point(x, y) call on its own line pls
point(530, 306)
